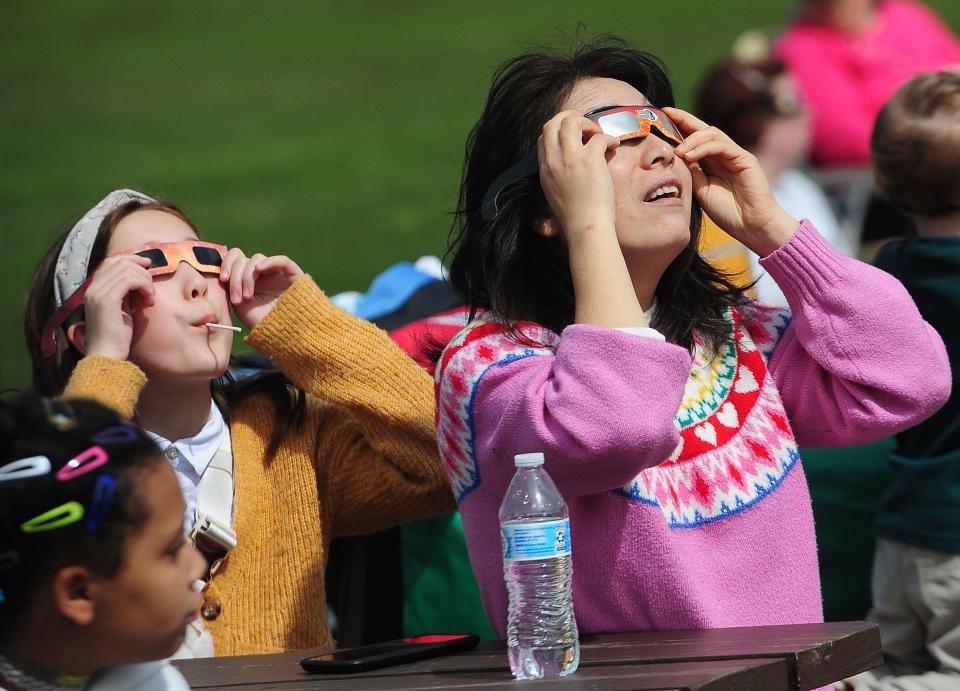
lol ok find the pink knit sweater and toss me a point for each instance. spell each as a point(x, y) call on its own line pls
point(688, 504)
point(847, 77)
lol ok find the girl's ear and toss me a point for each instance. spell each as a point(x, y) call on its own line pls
point(77, 335)
point(72, 594)
point(546, 227)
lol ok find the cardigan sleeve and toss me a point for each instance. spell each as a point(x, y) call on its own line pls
point(600, 405)
point(114, 383)
point(381, 465)
point(855, 362)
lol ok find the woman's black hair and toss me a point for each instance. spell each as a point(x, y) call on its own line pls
point(55, 432)
point(50, 375)
point(503, 265)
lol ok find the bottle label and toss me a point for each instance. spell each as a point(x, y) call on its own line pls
point(527, 541)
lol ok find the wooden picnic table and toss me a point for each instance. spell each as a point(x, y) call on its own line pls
point(760, 658)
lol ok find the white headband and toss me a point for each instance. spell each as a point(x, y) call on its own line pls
point(74, 256)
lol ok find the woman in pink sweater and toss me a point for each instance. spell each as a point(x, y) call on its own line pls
point(850, 56)
point(669, 406)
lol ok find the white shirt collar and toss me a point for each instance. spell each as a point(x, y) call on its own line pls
point(199, 449)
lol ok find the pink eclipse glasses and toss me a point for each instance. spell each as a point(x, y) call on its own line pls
point(622, 122)
point(165, 258)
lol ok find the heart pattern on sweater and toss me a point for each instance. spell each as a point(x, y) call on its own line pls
point(707, 432)
point(746, 382)
point(728, 415)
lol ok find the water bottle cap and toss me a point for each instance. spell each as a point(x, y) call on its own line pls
point(528, 460)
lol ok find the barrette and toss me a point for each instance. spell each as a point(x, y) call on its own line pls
point(118, 434)
point(103, 493)
point(33, 466)
point(63, 421)
point(83, 462)
point(9, 559)
point(57, 517)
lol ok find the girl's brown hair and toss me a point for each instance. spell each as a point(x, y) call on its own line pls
point(50, 375)
point(916, 144)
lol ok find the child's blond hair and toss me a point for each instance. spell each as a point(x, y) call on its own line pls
point(916, 145)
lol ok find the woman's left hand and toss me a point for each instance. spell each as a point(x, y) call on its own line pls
point(255, 284)
point(731, 186)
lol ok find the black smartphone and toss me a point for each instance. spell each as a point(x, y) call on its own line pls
point(387, 653)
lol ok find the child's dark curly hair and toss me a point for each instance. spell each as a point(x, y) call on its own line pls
point(68, 475)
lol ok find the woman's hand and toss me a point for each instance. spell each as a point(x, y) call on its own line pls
point(255, 284)
point(108, 325)
point(731, 186)
point(577, 184)
point(574, 175)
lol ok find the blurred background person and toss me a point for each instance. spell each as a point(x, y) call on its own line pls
point(916, 568)
point(755, 101)
point(849, 56)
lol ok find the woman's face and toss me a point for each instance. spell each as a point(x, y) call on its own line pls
point(647, 230)
point(168, 336)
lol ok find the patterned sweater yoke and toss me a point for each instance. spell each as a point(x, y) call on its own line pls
point(689, 508)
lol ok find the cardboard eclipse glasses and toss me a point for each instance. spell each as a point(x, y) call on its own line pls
point(622, 122)
point(165, 258)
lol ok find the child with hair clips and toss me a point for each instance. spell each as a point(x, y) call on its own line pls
point(96, 576)
point(916, 568)
point(668, 406)
point(271, 469)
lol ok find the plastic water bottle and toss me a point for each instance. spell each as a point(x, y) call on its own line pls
point(535, 525)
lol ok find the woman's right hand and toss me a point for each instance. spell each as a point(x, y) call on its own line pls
point(574, 174)
point(108, 322)
point(577, 184)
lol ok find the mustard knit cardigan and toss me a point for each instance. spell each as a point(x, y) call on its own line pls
point(365, 459)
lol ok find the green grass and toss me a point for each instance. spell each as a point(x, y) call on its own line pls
point(329, 131)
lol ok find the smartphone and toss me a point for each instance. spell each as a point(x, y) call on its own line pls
point(387, 653)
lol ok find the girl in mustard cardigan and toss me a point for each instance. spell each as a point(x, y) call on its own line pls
point(131, 309)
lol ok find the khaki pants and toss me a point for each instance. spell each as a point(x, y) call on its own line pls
point(916, 603)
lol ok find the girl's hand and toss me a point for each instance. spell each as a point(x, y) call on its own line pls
point(574, 174)
point(731, 186)
point(255, 284)
point(108, 325)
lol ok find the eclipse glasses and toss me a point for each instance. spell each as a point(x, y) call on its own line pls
point(165, 258)
point(622, 122)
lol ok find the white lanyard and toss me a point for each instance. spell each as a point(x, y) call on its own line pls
point(215, 501)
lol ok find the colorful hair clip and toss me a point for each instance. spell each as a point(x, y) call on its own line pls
point(57, 517)
point(118, 434)
point(9, 559)
point(103, 493)
point(83, 462)
point(34, 466)
point(63, 421)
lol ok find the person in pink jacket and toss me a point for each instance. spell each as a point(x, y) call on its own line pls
point(850, 56)
point(668, 405)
